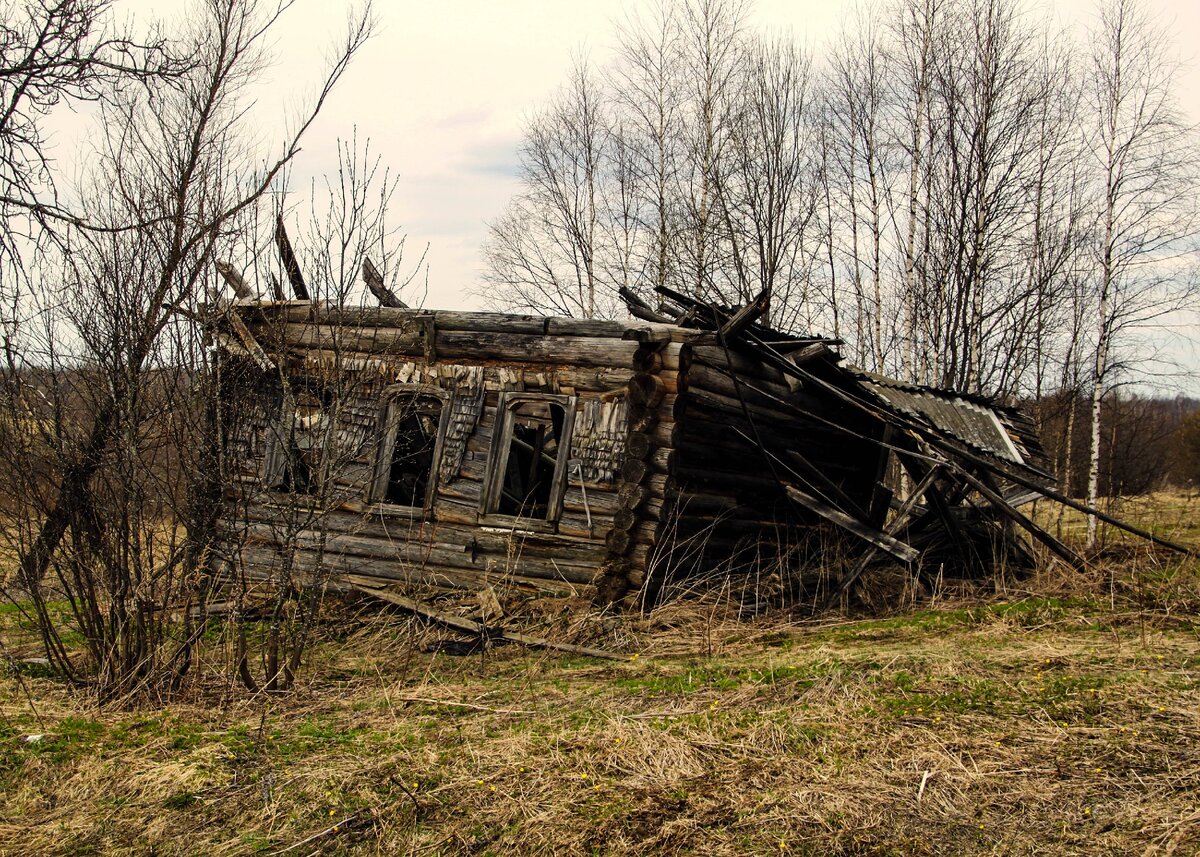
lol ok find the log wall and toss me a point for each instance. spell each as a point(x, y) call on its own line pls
point(361, 354)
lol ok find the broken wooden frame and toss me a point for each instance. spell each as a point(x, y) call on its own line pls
point(697, 427)
point(942, 456)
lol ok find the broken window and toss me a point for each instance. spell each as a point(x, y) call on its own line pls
point(529, 456)
point(300, 438)
point(407, 466)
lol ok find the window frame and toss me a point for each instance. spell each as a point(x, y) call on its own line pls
point(277, 448)
point(489, 498)
point(388, 424)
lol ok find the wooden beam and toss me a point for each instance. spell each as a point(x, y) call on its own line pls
point(638, 308)
point(469, 626)
point(375, 284)
point(897, 524)
point(251, 344)
point(290, 265)
point(1058, 548)
point(745, 316)
point(878, 538)
point(233, 277)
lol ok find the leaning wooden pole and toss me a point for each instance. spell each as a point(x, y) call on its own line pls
point(290, 265)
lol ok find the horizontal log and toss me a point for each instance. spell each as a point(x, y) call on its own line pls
point(452, 345)
point(586, 327)
point(504, 347)
point(521, 561)
point(429, 574)
point(759, 407)
point(646, 391)
point(457, 534)
point(878, 538)
point(693, 477)
point(746, 365)
point(720, 381)
point(631, 495)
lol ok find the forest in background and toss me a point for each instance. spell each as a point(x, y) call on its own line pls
point(967, 194)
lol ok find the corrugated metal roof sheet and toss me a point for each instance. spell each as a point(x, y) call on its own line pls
point(971, 419)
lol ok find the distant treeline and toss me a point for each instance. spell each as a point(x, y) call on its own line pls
point(1148, 443)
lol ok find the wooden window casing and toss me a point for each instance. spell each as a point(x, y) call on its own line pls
point(527, 424)
point(298, 441)
point(415, 415)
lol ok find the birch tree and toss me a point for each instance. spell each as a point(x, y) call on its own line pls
point(1145, 225)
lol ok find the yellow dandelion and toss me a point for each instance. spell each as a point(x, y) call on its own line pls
point(332, 812)
point(480, 782)
point(583, 776)
point(493, 788)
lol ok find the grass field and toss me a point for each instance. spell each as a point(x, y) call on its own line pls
point(1058, 717)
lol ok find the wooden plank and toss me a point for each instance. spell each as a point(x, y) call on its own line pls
point(745, 316)
point(290, 264)
point(378, 288)
point(484, 632)
point(236, 281)
point(1058, 548)
point(896, 525)
point(881, 540)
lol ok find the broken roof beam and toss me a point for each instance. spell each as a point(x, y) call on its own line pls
point(898, 523)
point(236, 281)
point(288, 257)
point(375, 284)
point(638, 308)
point(992, 496)
point(745, 316)
point(251, 344)
point(878, 538)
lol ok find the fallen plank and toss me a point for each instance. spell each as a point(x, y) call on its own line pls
point(894, 527)
point(470, 626)
point(878, 538)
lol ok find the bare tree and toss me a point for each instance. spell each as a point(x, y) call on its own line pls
point(544, 254)
point(765, 186)
point(648, 92)
point(114, 363)
point(1145, 225)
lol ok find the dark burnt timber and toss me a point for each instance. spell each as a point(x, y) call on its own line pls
point(595, 458)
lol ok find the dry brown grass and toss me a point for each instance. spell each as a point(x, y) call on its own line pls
point(1061, 722)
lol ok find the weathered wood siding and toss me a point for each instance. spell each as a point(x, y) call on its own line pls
point(363, 353)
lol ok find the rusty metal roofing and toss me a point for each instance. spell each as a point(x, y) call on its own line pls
point(974, 420)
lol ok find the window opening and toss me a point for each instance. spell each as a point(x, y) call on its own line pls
point(533, 451)
point(411, 460)
point(302, 443)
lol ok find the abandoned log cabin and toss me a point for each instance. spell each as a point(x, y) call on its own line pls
point(597, 458)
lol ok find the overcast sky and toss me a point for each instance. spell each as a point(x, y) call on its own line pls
point(443, 89)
